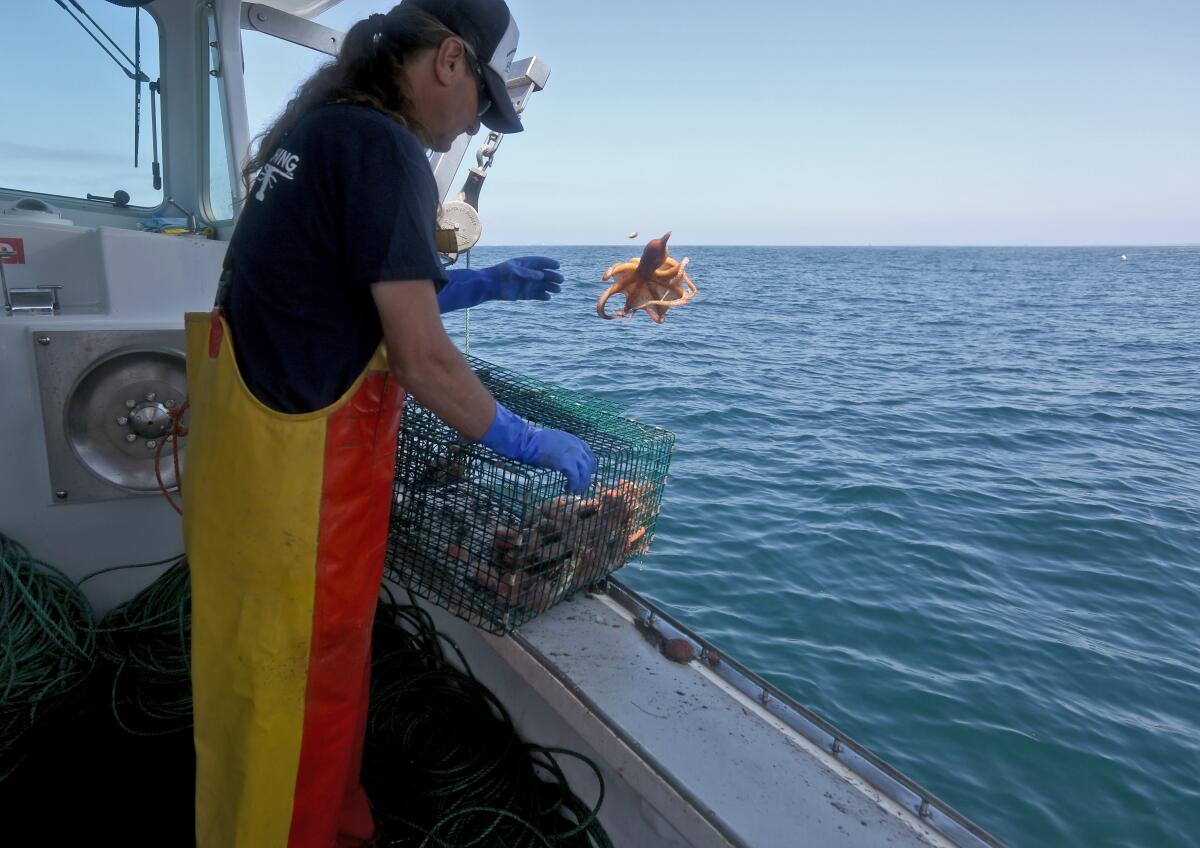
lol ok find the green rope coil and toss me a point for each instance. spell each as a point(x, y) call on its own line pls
point(47, 645)
point(147, 642)
point(443, 763)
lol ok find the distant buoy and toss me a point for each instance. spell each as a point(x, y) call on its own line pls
point(1123, 257)
point(634, 235)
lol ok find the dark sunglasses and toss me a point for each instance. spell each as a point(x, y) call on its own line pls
point(485, 99)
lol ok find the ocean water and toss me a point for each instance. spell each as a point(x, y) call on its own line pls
point(947, 498)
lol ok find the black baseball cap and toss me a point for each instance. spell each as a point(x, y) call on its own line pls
point(489, 29)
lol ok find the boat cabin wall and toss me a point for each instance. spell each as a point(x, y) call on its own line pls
point(76, 479)
point(72, 489)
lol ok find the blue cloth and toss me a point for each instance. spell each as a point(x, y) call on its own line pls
point(512, 436)
point(158, 223)
point(524, 278)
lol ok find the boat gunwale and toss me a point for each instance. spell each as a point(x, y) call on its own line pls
point(914, 798)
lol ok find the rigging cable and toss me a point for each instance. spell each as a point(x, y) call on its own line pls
point(132, 68)
point(134, 74)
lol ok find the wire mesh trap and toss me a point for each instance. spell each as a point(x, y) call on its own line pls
point(497, 542)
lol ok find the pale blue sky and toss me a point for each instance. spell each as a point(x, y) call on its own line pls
point(846, 122)
point(854, 122)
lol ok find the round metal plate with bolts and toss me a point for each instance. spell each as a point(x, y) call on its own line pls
point(119, 410)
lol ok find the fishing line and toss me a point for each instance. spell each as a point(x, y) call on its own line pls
point(467, 318)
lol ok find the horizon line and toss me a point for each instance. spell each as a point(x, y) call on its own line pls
point(1115, 246)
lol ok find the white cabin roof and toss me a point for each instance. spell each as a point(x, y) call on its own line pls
point(302, 8)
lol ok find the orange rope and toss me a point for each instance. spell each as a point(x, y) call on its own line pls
point(173, 435)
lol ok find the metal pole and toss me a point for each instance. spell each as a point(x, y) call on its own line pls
point(4, 286)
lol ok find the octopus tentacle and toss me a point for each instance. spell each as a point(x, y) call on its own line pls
point(655, 314)
point(682, 296)
point(619, 268)
point(667, 269)
point(608, 292)
point(666, 304)
point(683, 275)
point(671, 287)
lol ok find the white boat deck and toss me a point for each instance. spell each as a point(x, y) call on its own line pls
point(667, 735)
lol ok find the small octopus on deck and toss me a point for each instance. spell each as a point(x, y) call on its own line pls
point(653, 284)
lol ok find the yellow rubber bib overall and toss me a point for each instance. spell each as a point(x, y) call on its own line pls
point(285, 523)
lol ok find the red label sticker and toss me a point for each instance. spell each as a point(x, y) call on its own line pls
point(12, 251)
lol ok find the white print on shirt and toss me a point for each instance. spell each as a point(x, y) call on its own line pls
point(282, 164)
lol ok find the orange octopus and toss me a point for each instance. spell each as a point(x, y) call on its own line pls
point(653, 284)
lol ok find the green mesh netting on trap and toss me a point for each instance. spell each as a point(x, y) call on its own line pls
point(496, 542)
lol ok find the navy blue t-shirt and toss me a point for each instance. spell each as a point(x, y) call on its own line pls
point(347, 199)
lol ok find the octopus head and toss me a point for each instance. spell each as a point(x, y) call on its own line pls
point(653, 256)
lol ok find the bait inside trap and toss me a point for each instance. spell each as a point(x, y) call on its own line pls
point(496, 542)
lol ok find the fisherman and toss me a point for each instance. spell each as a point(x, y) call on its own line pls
point(329, 311)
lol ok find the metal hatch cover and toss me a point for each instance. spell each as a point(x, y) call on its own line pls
point(105, 400)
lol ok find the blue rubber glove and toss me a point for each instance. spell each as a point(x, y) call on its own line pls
point(526, 278)
point(514, 437)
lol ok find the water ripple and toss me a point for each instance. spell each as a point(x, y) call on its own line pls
point(948, 498)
